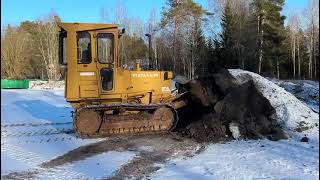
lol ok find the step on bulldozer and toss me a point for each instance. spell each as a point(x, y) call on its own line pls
point(107, 98)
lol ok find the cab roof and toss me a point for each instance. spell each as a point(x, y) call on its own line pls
point(85, 26)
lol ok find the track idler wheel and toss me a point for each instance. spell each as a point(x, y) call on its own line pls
point(164, 116)
point(87, 122)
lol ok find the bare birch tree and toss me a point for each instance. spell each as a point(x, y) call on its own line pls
point(312, 16)
point(294, 29)
point(48, 47)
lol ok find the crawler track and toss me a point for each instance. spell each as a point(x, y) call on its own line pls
point(92, 121)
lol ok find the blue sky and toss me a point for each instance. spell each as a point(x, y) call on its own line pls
point(15, 11)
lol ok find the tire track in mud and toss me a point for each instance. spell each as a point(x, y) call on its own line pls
point(141, 166)
point(46, 135)
point(41, 173)
point(51, 139)
point(41, 132)
point(147, 161)
point(33, 160)
point(151, 150)
point(34, 124)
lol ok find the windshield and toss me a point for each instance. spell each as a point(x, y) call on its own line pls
point(84, 47)
point(105, 47)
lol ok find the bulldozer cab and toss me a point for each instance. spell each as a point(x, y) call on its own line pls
point(89, 50)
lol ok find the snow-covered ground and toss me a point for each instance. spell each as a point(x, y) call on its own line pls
point(305, 90)
point(264, 159)
point(36, 128)
point(39, 84)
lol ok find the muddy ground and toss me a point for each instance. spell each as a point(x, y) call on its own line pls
point(151, 150)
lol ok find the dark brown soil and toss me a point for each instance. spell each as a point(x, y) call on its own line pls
point(20, 175)
point(220, 108)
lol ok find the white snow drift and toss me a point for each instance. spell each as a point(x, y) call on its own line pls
point(290, 111)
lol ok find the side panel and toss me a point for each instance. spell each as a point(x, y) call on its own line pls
point(151, 83)
point(72, 83)
point(88, 84)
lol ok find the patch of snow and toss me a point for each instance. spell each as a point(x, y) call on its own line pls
point(290, 111)
point(27, 106)
point(305, 90)
point(234, 128)
point(39, 84)
point(263, 159)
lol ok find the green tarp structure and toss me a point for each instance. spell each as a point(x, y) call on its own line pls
point(14, 84)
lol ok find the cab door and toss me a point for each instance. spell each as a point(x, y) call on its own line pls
point(86, 66)
point(105, 57)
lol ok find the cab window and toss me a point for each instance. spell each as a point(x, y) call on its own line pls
point(84, 47)
point(107, 78)
point(105, 47)
point(63, 48)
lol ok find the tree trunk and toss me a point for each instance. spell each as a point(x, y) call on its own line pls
point(261, 44)
point(175, 34)
point(298, 51)
point(294, 55)
point(278, 68)
point(314, 54)
point(310, 57)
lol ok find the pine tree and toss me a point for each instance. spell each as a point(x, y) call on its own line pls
point(201, 51)
point(271, 29)
point(228, 59)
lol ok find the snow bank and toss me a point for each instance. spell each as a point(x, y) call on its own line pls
point(305, 90)
point(291, 113)
point(46, 84)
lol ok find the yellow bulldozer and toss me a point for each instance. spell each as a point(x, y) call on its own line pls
point(108, 98)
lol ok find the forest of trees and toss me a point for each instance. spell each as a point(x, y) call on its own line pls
point(188, 39)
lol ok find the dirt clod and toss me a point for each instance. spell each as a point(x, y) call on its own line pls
point(304, 139)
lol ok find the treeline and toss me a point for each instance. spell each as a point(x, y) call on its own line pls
point(251, 36)
point(30, 51)
point(188, 39)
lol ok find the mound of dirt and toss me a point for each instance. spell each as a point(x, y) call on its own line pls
point(220, 108)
